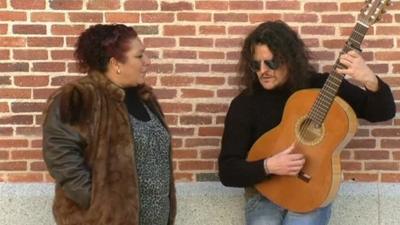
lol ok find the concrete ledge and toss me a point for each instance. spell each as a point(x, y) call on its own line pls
point(210, 203)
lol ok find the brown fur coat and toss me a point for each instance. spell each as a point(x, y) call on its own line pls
point(93, 106)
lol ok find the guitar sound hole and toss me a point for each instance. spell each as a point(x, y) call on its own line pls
point(309, 132)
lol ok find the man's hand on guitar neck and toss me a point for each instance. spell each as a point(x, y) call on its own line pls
point(358, 70)
point(285, 163)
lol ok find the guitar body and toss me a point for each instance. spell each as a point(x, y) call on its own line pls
point(320, 145)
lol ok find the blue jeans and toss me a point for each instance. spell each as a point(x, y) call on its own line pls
point(261, 211)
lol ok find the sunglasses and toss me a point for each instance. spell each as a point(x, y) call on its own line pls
point(255, 65)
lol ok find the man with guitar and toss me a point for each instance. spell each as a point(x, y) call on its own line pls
point(274, 64)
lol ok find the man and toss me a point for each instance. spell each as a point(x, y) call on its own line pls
point(274, 64)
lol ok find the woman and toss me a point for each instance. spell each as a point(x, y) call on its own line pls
point(105, 141)
point(274, 63)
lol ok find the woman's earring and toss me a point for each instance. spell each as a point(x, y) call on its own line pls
point(118, 71)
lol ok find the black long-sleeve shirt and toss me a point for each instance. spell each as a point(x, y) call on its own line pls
point(250, 116)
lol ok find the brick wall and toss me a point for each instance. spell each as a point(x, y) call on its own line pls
point(194, 46)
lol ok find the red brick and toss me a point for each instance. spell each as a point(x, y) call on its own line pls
point(228, 42)
point(177, 143)
point(66, 5)
point(43, 93)
point(25, 177)
point(3, 4)
point(278, 5)
point(320, 30)
point(165, 93)
point(320, 7)
point(390, 177)
point(195, 120)
point(62, 54)
point(196, 165)
point(196, 42)
point(390, 143)
point(4, 54)
point(209, 153)
point(197, 142)
point(346, 31)
point(182, 131)
point(211, 131)
point(233, 55)
point(342, 18)
point(263, 17)
point(366, 155)
point(141, 5)
point(103, 5)
point(26, 154)
point(37, 166)
point(196, 93)
point(160, 68)
point(211, 55)
point(5, 80)
point(212, 5)
point(333, 43)
point(352, 6)
point(362, 143)
point(27, 107)
point(212, 30)
point(241, 30)
point(29, 29)
point(159, 42)
point(14, 93)
point(12, 16)
point(12, 42)
point(29, 131)
point(224, 68)
point(361, 177)
point(386, 132)
point(4, 107)
point(392, 81)
point(17, 119)
point(6, 131)
point(211, 108)
point(381, 43)
point(4, 155)
point(230, 17)
point(245, 5)
point(210, 80)
point(176, 6)
point(311, 42)
point(158, 17)
point(227, 93)
point(67, 29)
point(388, 30)
point(186, 16)
point(348, 166)
point(176, 107)
point(48, 178)
point(47, 17)
point(23, 4)
point(184, 177)
point(13, 143)
point(172, 120)
point(388, 55)
point(45, 41)
point(30, 54)
point(36, 143)
point(31, 81)
point(323, 55)
point(3, 28)
point(345, 154)
point(177, 30)
point(381, 166)
point(179, 54)
point(122, 17)
point(185, 154)
point(185, 68)
point(13, 166)
point(49, 67)
point(14, 67)
point(301, 17)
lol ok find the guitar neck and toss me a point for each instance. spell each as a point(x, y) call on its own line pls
point(332, 84)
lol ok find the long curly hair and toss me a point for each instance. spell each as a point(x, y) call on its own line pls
point(97, 44)
point(287, 48)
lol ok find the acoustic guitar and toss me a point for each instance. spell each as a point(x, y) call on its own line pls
point(320, 124)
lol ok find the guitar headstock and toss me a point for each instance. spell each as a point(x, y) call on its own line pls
point(373, 11)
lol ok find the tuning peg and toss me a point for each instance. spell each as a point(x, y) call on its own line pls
point(389, 3)
point(379, 18)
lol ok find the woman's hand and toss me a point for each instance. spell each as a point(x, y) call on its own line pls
point(285, 162)
point(358, 70)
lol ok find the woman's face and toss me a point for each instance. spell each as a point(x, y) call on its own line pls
point(133, 70)
point(268, 78)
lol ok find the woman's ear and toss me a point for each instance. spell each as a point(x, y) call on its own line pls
point(113, 65)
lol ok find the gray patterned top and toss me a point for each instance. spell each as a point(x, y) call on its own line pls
point(152, 155)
